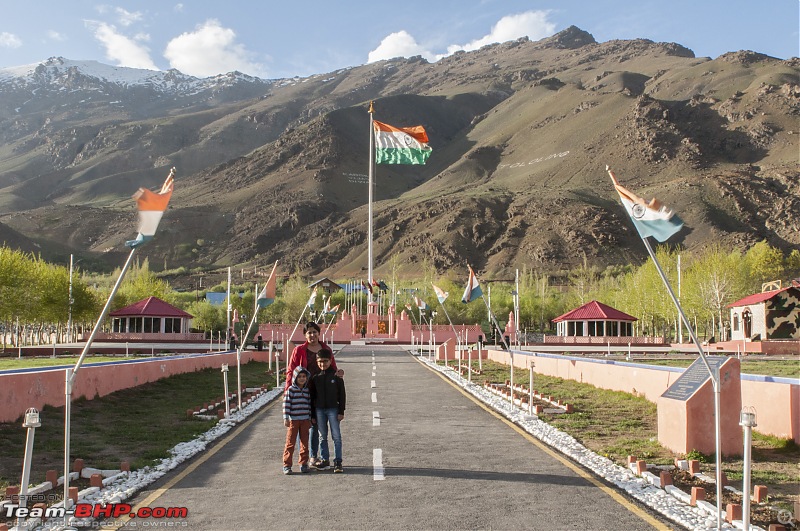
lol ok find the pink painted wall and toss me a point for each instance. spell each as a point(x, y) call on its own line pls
point(777, 403)
point(22, 390)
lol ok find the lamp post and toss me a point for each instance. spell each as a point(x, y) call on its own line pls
point(747, 420)
point(31, 422)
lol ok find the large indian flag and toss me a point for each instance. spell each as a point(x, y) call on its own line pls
point(400, 145)
point(151, 206)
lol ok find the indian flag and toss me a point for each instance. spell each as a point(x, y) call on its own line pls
point(151, 206)
point(440, 293)
point(400, 145)
point(267, 295)
point(650, 219)
point(473, 289)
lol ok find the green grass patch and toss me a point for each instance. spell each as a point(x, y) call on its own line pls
point(138, 425)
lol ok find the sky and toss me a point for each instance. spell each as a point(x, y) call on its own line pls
point(278, 39)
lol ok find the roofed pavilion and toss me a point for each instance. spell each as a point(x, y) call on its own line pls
point(595, 319)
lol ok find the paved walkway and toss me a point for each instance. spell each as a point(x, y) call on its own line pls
point(418, 454)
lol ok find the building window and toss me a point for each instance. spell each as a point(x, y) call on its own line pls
point(152, 325)
point(592, 328)
point(135, 324)
point(735, 322)
point(172, 325)
point(611, 328)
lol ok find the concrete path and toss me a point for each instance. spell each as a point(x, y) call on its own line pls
point(418, 454)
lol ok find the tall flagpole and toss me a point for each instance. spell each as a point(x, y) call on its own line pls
point(714, 373)
point(72, 373)
point(371, 180)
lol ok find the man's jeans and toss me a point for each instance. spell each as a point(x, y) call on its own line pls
point(325, 417)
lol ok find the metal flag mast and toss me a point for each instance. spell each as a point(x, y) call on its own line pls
point(151, 207)
point(370, 184)
point(715, 379)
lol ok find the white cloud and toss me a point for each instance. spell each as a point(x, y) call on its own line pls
point(178, 8)
point(210, 50)
point(53, 35)
point(9, 40)
point(120, 48)
point(126, 18)
point(398, 44)
point(533, 24)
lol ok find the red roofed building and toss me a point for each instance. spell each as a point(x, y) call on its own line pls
point(595, 319)
point(768, 315)
point(151, 319)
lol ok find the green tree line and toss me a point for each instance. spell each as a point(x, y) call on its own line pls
point(35, 294)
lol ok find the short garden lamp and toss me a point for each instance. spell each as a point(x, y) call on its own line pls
point(747, 420)
point(225, 383)
point(31, 422)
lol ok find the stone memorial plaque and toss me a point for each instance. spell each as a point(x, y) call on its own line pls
point(693, 378)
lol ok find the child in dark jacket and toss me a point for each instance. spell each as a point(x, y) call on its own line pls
point(297, 419)
point(327, 409)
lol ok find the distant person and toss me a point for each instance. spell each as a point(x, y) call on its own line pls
point(327, 409)
point(297, 419)
point(363, 332)
point(305, 356)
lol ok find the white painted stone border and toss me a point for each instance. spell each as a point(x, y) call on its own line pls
point(670, 506)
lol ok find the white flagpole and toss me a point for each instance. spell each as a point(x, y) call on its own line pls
point(371, 180)
point(714, 378)
point(228, 313)
point(71, 374)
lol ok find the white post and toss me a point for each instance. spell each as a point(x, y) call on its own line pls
point(211, 341)
point(269, 356)
point(370, 185)
point(530, 391)
point(277, 369)
point(31, 422)
point(228, 312)
point(511, 380)
point(69, 313)
point(227, 396)
point(469, 367)
point(748, 422)
point(127, 354)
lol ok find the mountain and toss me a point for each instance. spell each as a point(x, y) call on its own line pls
point(521, 133)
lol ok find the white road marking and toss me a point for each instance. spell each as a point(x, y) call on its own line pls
point(374, 368)
point(373, 374)
point(372, 384)
point(374, 397)
point(376, 418)
point(377, 464)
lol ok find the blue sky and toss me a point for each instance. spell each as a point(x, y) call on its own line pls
point(272, 39)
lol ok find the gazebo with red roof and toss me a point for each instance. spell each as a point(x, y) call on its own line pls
point(151, 319)
point(595, 319)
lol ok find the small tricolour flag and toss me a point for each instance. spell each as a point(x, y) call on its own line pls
point(151, 206)
point(313, 298)
point(440, 293)
point(650, 219)
point(267, 295)
point(473, 289)
point(366, 286)
point(332, 311)
point(400, 145)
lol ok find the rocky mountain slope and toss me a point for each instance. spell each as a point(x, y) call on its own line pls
point(521, 133)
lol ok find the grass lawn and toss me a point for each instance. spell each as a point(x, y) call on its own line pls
point(763, 366)
point(31, 363)
point(138, 425)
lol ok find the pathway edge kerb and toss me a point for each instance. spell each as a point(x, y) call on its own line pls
point(614, 492)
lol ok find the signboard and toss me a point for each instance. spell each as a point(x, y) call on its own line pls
point(693, 378)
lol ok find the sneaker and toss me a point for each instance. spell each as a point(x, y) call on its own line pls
point(323, 464)
point(337, 468)
point(287, 470)
point(313, 461)
point(303, 469)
